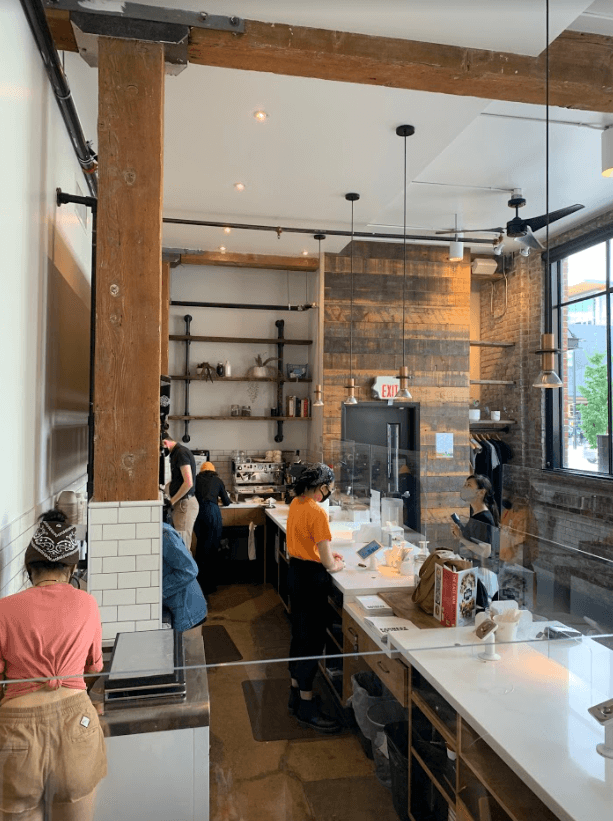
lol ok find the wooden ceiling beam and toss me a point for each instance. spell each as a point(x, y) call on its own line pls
point(581, 71)
point(270, 261)
point(581, 74)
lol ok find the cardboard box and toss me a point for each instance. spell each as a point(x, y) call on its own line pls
point(455, 593)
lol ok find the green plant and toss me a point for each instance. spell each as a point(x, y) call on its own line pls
point(594, 415)
point(261, 363)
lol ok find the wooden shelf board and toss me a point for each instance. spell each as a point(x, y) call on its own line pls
point(490, 382)
point(449, 799)
point(335, 606)
point(274, 379)
point(238, 340)
point(333, 638)
point(462, 811)
point(507, 788)
point(477, 343)
point(432, 717)
point(243, 418)
point(490, 423)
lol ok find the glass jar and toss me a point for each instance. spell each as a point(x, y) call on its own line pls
point(246, 410)
point(235, 410)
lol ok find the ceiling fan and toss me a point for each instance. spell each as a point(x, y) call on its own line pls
point(522, 230)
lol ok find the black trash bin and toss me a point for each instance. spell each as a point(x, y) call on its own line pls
point(379, 716)
point(397, 734)
point(367, 689)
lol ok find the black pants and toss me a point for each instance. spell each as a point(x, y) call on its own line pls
point(308, 584)
point(208, 528)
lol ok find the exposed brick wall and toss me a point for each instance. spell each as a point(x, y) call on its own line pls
point(518, 321)
point(437, 325)
point(572, 513)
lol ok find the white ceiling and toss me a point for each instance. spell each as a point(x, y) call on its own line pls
point(495, 25)
point(323, 139)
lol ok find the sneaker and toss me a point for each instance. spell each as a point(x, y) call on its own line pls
point(294, 700)
point(309, 716)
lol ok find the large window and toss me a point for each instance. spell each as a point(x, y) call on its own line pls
point(582, 286)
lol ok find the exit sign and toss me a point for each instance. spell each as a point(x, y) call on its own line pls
point(385, 387)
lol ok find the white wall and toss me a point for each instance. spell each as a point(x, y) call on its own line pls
point(213, 284)
point(46, 254)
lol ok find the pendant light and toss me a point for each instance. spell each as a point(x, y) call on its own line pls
point(404, 131)
point(350, 399)
point(318, 401)
point(548, 378)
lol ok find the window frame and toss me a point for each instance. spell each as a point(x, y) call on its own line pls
point(554, 400)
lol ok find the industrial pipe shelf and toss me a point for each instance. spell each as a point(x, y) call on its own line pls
point(480, 344)
point(246, 340)
point(275, 379)
point(243, 418)
point(490, 382)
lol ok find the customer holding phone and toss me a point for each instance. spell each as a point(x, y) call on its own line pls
point(480, 536)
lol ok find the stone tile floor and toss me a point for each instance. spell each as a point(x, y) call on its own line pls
point(321, 779)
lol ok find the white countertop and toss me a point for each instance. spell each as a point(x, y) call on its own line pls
point(531, 708)
point(352, 581)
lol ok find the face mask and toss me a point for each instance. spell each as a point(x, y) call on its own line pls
point(166, 451)
point(469, 494)
point(326, 496)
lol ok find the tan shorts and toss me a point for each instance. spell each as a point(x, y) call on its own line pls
point(55, 751)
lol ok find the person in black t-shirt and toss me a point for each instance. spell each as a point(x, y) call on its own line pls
point(182, 489)
point(208, 527)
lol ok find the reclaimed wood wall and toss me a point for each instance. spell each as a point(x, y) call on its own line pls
point(437, 324)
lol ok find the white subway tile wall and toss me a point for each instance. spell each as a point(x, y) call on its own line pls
point(15, 537)
point(124, 565)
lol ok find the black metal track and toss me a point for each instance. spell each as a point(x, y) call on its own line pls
point(280, 229)
point(35, 15)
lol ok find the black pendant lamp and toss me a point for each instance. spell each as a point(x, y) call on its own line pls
point(404, 131)
point(350, 399)
point(318, 401)
point(547, 378)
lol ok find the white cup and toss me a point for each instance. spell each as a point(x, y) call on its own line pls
point(507, 630)
point(495, 416)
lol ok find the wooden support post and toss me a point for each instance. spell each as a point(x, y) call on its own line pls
point(130, 155)
point(164, 310)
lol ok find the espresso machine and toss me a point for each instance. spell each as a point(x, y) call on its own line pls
point(253, 477)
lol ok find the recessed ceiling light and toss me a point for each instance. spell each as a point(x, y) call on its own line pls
point(260, 116)
point(223, 249)
point(226, 230)
point(240, 186)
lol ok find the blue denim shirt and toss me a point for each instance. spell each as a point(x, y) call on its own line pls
point(181, 593)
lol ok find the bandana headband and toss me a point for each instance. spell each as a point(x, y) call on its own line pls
point(55, 541)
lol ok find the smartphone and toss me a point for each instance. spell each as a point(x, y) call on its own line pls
point(456, 519)
point(562, 633)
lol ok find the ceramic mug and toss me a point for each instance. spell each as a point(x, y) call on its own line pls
point(495, 416)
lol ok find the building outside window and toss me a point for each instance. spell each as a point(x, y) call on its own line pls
point(581, 410)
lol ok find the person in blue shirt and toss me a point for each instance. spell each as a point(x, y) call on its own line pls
point(182, 597)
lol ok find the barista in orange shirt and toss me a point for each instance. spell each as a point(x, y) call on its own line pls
point(311, 559)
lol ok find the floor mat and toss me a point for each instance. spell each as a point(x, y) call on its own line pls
point(266, 701)
point(350, 798)
point(218, 646)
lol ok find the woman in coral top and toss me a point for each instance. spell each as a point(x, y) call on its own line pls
point(52, 752)
point(311, 559)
